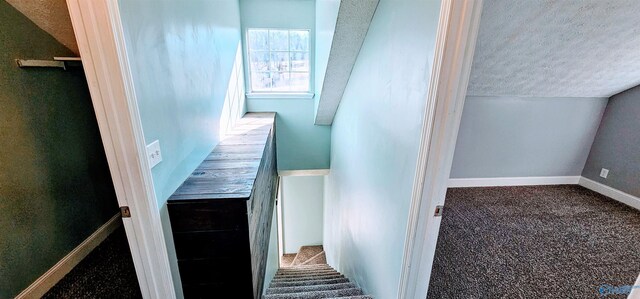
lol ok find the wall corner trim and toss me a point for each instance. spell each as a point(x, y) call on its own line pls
point(304, 172)
point(50, 278)
point(513, 181)
point(616, 194)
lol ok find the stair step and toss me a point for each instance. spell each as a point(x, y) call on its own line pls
point(305, 253)
point(307, 282)
point(303, 271)
point(300, 289)
point(318, 259)
point(353, 297)
point(287, 259)
point(306, 266)
point(307, 275)
point(316, 294)
point(301, 278)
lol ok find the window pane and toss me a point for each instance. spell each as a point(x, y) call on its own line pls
point(258, 39)
point(299, 40)
point(279, 40)
point(260, 81)
point(280, 81)
point(279, 61)
point(259, 61)
point(300, 61)
point(299, 82)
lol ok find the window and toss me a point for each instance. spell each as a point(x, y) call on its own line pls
point(279, 60)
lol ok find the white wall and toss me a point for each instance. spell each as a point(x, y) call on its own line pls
point(525, 137)
point(302, 202)
point(374, 146)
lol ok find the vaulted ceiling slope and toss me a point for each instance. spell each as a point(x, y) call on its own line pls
point(577, 48)
point(51, 16)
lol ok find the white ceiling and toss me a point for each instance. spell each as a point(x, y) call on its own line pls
point(563, 48)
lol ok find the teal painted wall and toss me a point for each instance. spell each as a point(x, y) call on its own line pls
point(300, 143)
point(55, 186)
point(375, 141)
point(186, 64)
point(302, 202)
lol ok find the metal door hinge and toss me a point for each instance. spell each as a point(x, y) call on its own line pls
point(438, 212)
point(124, 211)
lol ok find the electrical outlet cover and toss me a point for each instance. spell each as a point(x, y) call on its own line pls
point(604, 173)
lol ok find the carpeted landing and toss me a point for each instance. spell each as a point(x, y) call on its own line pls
point(107, 272)
point(534, 242)
point(306, 275)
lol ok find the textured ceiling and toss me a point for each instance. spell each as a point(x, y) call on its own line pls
point(564, 48)
point(352, 24)
point(50, 15)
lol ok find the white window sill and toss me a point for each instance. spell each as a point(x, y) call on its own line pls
point(302, 95)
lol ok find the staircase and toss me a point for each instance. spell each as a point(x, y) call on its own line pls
point(306, 275)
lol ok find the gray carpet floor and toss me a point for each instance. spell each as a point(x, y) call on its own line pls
point(107, 272)
point(534, 242)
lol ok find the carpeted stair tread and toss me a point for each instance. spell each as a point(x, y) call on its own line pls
point(320, 270)
point(353, 297)
point(298, 267)
point(307, 282)
point(300, 289)
point(316, 294)
point(316, 280)
point(287, 259)
point(307, 275)
point(305, 267)
point(318, 259)
point(305, 253)
point(302, 278)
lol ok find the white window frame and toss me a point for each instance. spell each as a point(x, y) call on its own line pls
point(270, 93)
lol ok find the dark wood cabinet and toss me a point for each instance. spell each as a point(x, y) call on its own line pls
point(221, 215)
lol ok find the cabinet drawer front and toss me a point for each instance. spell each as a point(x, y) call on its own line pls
point(208, 216)
point(210, 271)
point(222, 291)
point(214, 244)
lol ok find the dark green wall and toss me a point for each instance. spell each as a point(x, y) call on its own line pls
point(55, 188)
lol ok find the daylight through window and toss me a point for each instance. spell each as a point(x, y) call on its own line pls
point(279, 60)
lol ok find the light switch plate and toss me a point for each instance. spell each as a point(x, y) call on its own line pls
point(154, 154)
point(604, 173)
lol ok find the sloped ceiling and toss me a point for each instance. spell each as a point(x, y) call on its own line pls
point(352, 25)
point(50, 15)
point(563, 48)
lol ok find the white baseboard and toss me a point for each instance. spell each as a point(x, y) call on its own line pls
point(616, 194)
point(513, 181)
point(305, 172)
point(43, 284)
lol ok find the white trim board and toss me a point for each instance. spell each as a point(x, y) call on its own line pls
point(50, 278)
point(455, 43)
point(513, 181)
point(305, 172)
point(100, 36)
point(616, 194)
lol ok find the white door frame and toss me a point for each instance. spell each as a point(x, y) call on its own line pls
point(98, 30)
point(455, 44)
